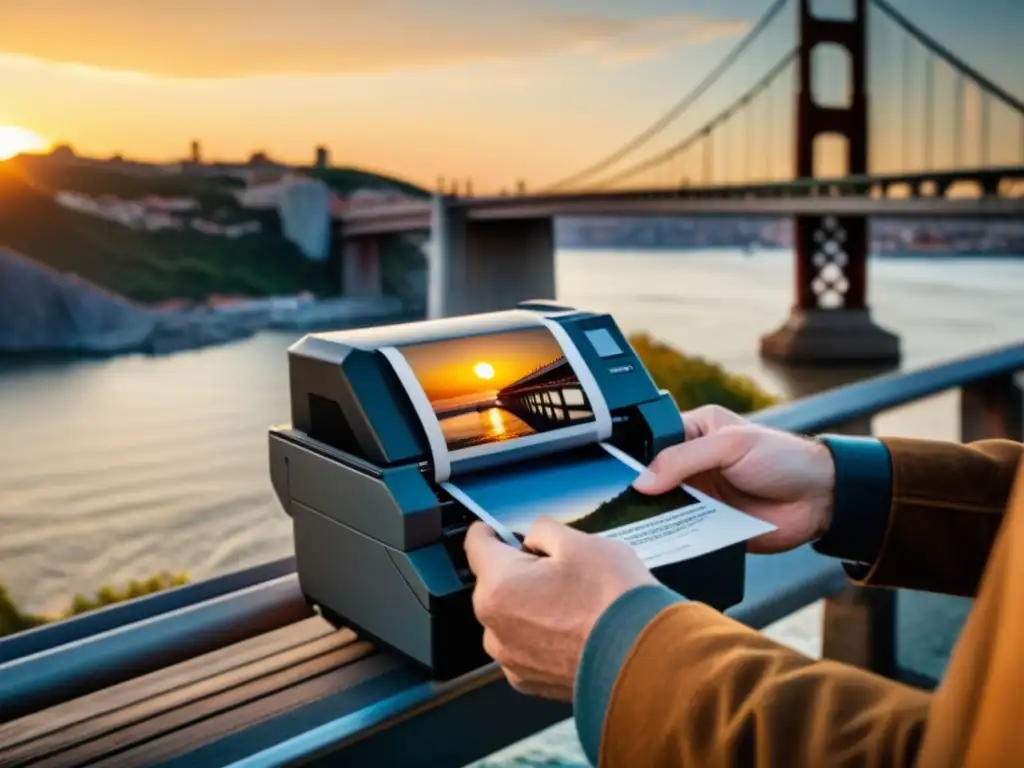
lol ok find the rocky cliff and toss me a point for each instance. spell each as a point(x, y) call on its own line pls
point(44, 310)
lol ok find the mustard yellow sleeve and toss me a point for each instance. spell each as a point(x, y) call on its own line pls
point(700, 689)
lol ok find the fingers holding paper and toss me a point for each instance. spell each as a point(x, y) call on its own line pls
point(784, 479)
point(538, 609)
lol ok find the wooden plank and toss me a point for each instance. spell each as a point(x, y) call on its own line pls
point(395, 712)
point(133, 691)
point(185, 690)
point(346, 680)
point(212, 702)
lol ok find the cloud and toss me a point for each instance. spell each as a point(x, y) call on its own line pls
point(657, 37)
point(241, 38)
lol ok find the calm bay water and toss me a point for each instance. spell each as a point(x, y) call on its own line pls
point(116, 469)
point(490, 426)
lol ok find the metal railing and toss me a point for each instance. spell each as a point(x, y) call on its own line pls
point(72, 687)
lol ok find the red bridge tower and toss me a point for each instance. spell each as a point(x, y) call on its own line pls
point(830, 321)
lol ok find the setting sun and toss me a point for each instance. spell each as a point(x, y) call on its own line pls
point(15, 140)
point(484, 370)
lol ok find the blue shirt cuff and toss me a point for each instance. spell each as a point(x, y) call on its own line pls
point(863, 497)
point(604, 654)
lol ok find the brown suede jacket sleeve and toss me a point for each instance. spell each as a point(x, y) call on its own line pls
point(948, 502)
point(698, 688)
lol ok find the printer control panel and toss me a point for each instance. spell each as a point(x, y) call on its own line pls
point(623, 379)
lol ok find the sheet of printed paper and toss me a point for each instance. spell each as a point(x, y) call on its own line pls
point(591, 490)
point(481, 397)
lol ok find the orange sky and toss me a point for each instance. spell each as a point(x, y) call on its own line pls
point(493, 92)
point(445, 368)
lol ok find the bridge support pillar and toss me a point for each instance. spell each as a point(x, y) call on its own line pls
point(483, 266)
point(361, 272)
point(830, 323)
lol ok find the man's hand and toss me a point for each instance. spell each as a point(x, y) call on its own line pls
point(538, 609)
point(784, 479)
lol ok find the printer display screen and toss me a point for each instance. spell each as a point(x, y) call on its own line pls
point(498, 387)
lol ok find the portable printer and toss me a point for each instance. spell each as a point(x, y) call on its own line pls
point(386, 419)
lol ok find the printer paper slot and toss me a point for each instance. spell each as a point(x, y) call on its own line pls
point(590, 489)
point(482, 397)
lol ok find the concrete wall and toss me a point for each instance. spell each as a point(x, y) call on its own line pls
point(361, 277)
point(482, 266)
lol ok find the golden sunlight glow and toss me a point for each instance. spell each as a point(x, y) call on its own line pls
point(15, 140)
point(497, 424)
point(484, 370)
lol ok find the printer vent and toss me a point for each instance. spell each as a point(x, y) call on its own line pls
point(328, 425)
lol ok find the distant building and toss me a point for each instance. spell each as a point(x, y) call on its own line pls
point(304, 206)
point(196, 156)
point(260, 160)
point(63, 152)
point(323, 159)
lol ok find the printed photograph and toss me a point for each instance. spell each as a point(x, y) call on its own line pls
point(591, 491)
point(498, 387)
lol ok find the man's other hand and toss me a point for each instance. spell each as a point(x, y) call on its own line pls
point(538, 606)
point(782, 478)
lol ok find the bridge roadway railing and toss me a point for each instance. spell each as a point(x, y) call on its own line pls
point(237, 670)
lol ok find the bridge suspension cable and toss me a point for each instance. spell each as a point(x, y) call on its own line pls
point(677, 109)
point(702, 132)
point(920, 155)
point(949, 57)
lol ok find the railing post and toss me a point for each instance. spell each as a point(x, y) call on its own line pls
point(992, 408)
point(859, 625)
point(859, 628)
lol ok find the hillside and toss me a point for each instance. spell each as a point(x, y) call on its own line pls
point(629, 507)
point(153, 266)
point(345, 181)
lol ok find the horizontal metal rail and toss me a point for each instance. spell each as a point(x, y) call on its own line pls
point(882, 393)
point(343, 698)
point(121, 614)
point(133, 649)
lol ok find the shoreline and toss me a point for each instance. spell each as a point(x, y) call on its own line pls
point(754, 250)
point(46, 312)
point(202, 327)
point(211, 325)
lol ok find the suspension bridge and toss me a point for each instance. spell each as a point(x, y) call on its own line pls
point(953, 146)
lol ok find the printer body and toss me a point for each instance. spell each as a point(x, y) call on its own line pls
point(378, 541)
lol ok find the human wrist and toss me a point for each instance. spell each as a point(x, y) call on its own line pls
point(823, 506)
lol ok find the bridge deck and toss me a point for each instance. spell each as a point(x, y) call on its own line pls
point(416, 216)
point(850, 195)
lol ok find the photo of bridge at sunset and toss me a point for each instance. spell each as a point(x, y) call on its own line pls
point(498, 387)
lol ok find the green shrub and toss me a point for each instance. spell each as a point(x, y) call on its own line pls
point(694, 381)
point(12, 619)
